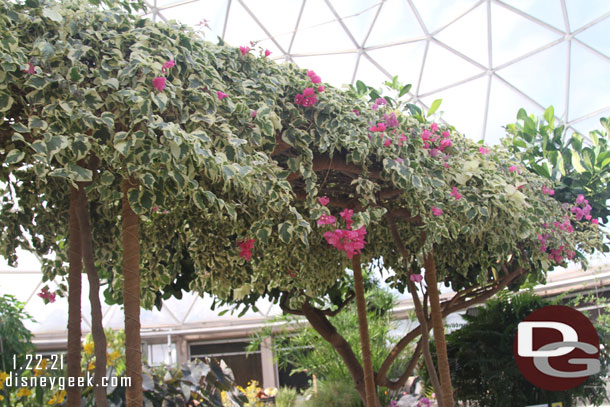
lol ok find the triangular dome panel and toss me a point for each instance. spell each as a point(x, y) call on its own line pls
point(267, 13)
point(239, 17)
point(320, 32)
point(548, 11)
point(504, 103)
point(443, 68)
point(542, 76)
point(468, 35)
point(514, 35)
point(437, 14)
point(587, 92)
point(581, 13)
point(467, 117)
point(395, 23)
point(403, 60)
point(358, 16)
point(597, 36)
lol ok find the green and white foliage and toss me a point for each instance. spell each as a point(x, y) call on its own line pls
point(211, 175)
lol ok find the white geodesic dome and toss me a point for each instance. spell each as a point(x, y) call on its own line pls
point(484, 58)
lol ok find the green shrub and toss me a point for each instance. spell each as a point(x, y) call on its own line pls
point(483, 368)
point(286, 397)
point(334, 394)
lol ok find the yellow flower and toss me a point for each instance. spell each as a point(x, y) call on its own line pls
point(24, 392)
point(112, 357)
point(40, 369)
point(58, 398)
point(91, 366)
point(1, 397)
point(89, 347)
point(3, 376)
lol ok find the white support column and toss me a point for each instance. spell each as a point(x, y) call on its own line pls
point(268, 365)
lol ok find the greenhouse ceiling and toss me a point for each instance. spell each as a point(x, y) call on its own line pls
point(484, 58)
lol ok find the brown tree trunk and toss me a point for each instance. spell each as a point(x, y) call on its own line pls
point(439, 332)
point(74, 301)
point(365, 342)
point(131, 298)
point(322, 325)
point(97, 328)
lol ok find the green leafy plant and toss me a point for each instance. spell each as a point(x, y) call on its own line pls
point(573, 164)
point(484, 371)
point(286, 397)
point(332, 394)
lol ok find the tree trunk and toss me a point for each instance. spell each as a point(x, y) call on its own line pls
point(439, 332)
point(74, 301)
point(365, 342)
point(131, 298)
point(97, 328)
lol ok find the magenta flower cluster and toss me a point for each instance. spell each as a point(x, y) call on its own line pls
point(245, 247)
point(436, 142)
point(45, 294)
point(548, 191)
point(160, 82)
point(347, 240)
point(582, 208)
point(308, 97)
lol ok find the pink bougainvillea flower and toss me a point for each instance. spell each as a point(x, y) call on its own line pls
point(326, 220)
point(45, 294)
point(595, 221)
point(347, 216)
point(387, 142)
point(374, 107)
point(321, 89)
point(323, 200)
point(437, 211)
point(356, 112)
point(401, 140)
point(267, 52)
point(446, 165)
point(434, 152)
point(548, 191)
point(380, 101)
point(455, 193)
point(221, 95)
point(381, 127)
point(168, 64)
point(445, 143)
point(246, 248)
point(308, 92)
point(580, 199)
point(425, 135)
point(31, 69)
point(253, 114)
point(513, 168)
point(244, 50)
point(155, 208)
point(446, 134)
point(390, 120)
point(483, 150)
point(434, 127)
point(310, 73)
point(159, 83)
point(416, 278)
point(315, 79)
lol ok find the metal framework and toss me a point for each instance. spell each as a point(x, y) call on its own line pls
point(494, 79)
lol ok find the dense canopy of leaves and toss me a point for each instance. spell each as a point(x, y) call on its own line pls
point(212, 173)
